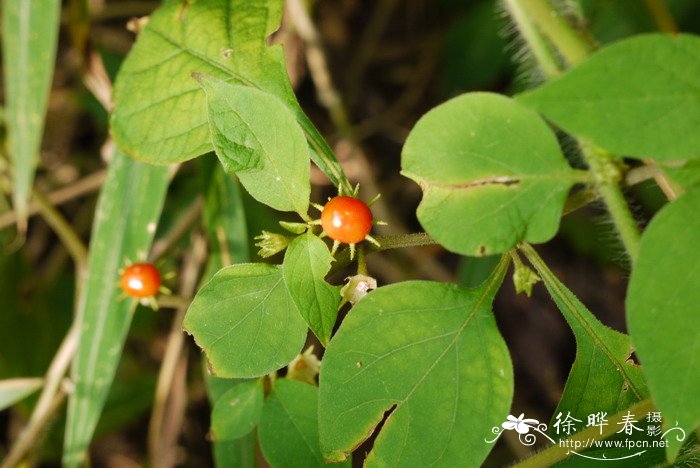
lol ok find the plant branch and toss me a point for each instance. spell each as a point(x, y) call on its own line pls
point(662, 16)
point(158, 443)
point(417, 239)
point(545, 57)
point(574, 47)
point(32, 432)
point(77, 189)
point(608, 176)
point(560, 451)
point(63, 230)
point(178, 231)
point(51, 398)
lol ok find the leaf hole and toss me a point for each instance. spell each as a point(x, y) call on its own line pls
point(632, 359)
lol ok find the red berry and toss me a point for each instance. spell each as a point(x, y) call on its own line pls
point(140, 280)
point(346, 219)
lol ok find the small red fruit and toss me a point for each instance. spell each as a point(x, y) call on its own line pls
point(140, 280)
point(346, 219)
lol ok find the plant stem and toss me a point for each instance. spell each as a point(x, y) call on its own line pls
point(159, 445)
point(544, 55)
point(622, 216)
point(608, 175)
point(28, 437)
point(51, 398)
point(574, 47)
point(386, 243)
point(76, 189)
point(361, 261)
point(559, 452)
point(63, 230)
point(663, 18)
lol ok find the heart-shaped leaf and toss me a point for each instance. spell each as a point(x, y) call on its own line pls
point(492, 174)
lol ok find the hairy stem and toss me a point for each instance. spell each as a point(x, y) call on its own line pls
point(544, 55)
point(572, 45)
point(608, 176)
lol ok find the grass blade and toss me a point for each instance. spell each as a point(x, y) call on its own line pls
point(125, 222)
point(29, 37)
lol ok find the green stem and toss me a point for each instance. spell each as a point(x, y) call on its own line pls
point(622, 216)
point(563, 449)
point(386, 243)
point(63, 230)
point(608, 176)
point(361, 261)
point(545, 57)
point(574, 47)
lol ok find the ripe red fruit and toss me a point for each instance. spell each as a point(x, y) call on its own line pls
point(140, 280)
point(346, 219)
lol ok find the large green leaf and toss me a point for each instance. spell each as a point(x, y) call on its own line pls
point(662, 312)
point(604, 376)
point(222, 38)
point(432, 353)
point(237, 412)
point(638, 97)
point(289, 426)
point(226, 39)
point(29, 38)
point(246, 321)
point(125, 222)
point(257, 137)
point(306, 264)
point(491, 171)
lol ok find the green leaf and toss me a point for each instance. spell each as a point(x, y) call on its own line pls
point(240, 452)
point(638, 97)
point(125, 222)
point(237, 412)
point(255, 136)
point(306, 264)
point(604, 376)
point(14, 390)
point(29, 38)
point(492, 174)
point(226, 39)
point(289, 426)
point(223, 38)
point(246, 321)
point(662, 312)
point(432, 353)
